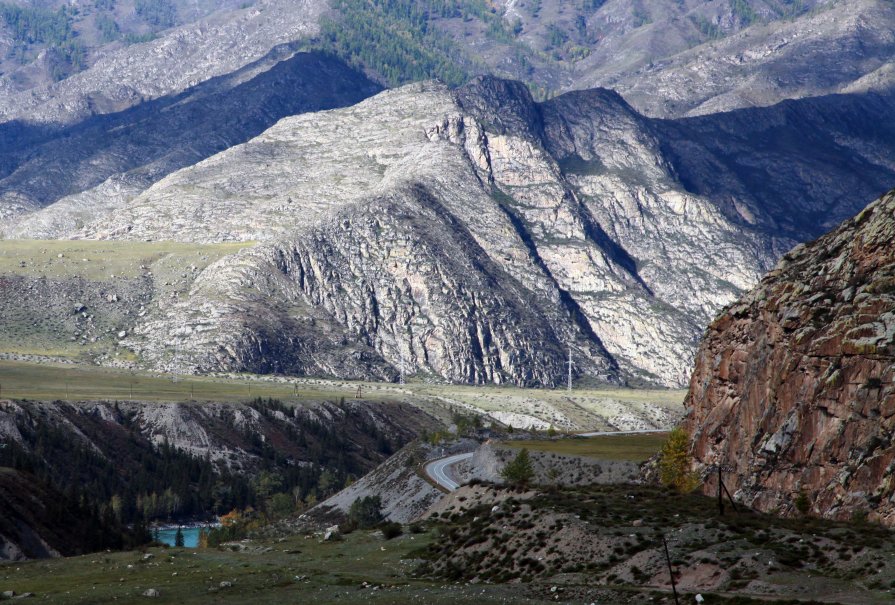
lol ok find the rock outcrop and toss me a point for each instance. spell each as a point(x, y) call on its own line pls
point(793, 383)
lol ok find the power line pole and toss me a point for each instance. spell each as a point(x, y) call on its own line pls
point(670, 571)
point(570, 370)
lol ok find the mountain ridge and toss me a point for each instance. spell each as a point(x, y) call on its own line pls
point(593, 210)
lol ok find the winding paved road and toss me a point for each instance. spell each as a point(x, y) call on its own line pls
point(438, 470)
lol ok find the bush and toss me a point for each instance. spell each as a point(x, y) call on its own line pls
point(803, 504)
point(391, 530)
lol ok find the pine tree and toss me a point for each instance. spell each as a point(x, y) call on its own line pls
point(520, 470)
point(178, 538)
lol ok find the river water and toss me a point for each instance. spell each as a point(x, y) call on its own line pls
point(167, 536)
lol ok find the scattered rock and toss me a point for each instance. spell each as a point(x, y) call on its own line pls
point(151, 592)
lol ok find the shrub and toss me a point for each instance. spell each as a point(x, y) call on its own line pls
point(391, 529)
point(803, 504)
point(366, 512)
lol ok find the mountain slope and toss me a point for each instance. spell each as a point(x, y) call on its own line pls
point(106, 160)
point(793, 383)
point(477, 234)
point(39, 521)
point(761, 56)
point(183, 57)
point(669, 58)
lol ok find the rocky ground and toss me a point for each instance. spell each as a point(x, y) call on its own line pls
point(612, 536)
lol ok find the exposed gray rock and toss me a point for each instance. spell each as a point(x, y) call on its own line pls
point(478, 235)
point(220, 44)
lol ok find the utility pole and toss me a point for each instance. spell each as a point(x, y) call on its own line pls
point(570, 370)
point(670, 571)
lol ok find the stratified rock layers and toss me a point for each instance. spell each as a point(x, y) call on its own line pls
point(793, 383)
point(437, 230)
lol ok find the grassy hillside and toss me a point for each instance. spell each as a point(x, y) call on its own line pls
point(761, 560)
point(583, 410)
point(106, 260)
point(48, 381)
point(72, 299)
point(636, 448)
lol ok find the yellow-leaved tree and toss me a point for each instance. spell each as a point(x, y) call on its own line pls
point(675, 462)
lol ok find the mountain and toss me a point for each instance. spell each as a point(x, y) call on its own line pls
point(525, 228)
point(39, 521)
point(750, 53)
point(668, 58)
point(478, 235)
point(179, 58)
point(106, 160)
point(793, 382)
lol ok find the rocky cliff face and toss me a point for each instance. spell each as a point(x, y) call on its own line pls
point(793, 383)
point(478, 235)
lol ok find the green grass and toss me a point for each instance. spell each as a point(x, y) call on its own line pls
point(297, 570)
point(82, 382)
point(22, 380)
point(636, 448)
point(104, 258)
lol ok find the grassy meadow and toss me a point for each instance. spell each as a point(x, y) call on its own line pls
point(636, 448)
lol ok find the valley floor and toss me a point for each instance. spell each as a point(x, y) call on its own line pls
point(584, 409)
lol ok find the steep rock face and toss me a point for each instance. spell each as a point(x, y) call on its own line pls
point(442, 292)
point(793, 383)
point(625, 234)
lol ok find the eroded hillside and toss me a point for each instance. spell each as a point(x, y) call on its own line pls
point(477, 234)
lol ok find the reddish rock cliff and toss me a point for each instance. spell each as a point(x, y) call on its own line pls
point(793, 384)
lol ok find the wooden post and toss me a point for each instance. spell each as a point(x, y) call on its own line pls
point(670, 572)
point(720, 495)
point(729, 497)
